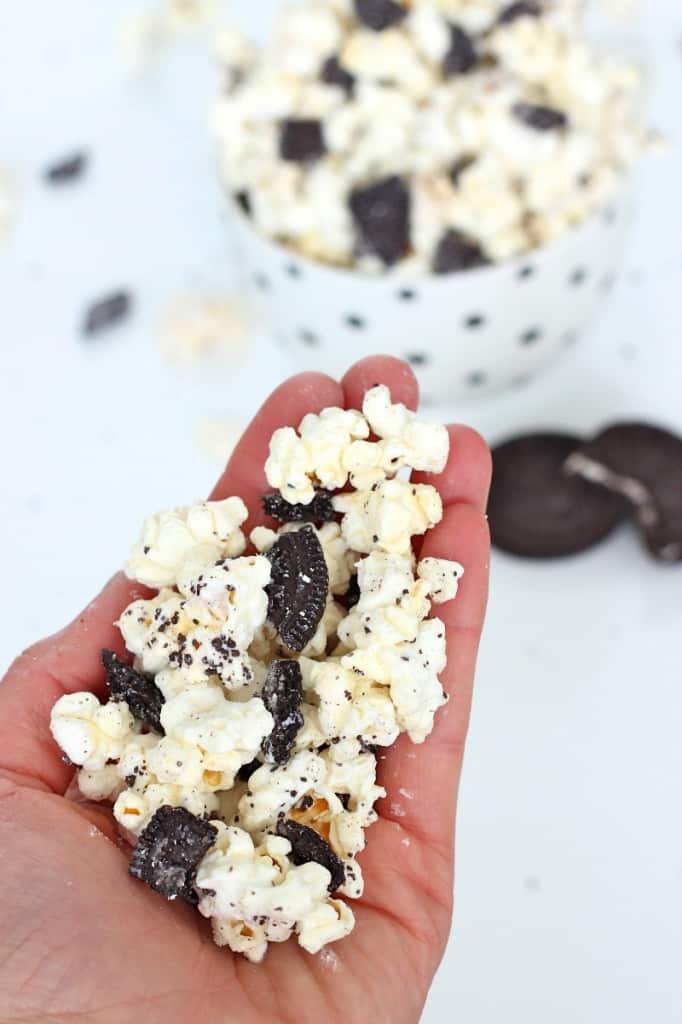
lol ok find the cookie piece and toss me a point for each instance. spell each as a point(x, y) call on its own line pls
point(247, 770)
point(334, 74)
point(540, 118)
point(67, 170)
point(521, 9)
point(107, 312)
point(537, 510)
point(379, 14)
point(169, 850)
point(307, 846)
point(461, 57)
point(141, 694)
point(297, 592)
point(642, 464)
point(301, 141)
point(320, 509)
point(283, 696)
point(456, 252)
point(243, 201)
point(381, 213)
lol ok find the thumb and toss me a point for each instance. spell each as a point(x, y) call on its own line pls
point(64, 663)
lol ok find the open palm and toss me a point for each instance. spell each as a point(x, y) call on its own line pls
point(82, 941)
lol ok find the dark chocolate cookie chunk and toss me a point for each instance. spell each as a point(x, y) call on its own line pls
point(642, 464)
point(379, 14)
point(169, 850)
point(320, 509)
point(283, 696)
point(247, 770)
point(243, 201)
point(456, 252)
point(297, 592)
point(334, 74)
point(67, 170)
point(537, 510)
point(301, 141)
point(541, 119)
point(382, 217)
point(107, 312)
point(140, 693)
point(521, 9)
point(307, 846)
point(461, 57)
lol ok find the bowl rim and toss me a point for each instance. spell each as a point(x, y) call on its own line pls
point(617, 201)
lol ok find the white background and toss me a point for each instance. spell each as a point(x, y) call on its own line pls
point(569, 899)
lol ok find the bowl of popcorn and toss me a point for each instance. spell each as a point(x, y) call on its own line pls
point(442, 179)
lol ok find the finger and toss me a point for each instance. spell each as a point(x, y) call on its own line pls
point(466, 477)
point(287, 405)
point(394, 373)
point(65, 663)
point(71, 661)
point(422, 781)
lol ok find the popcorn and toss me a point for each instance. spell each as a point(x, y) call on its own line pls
point(411, 672)
point(90, 734)
point(385, 517)
point(254, 895)
point(170, 537)
point(306, 654)
point(433, 98)
point(442, 578)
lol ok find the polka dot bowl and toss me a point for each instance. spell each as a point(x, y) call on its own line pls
point(467, 335)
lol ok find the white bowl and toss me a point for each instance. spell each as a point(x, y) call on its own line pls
point(467, 335)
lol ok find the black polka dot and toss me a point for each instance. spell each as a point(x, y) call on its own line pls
point(407, 295)
point(477, 379)
point(569, 338)
point(474, 321)
point(520, 382)
point(261, 281)
point(293, 270)
point(578, 277)
point(531, 336)
point(526, 271)
point(610, 216)
point(355, 321)
point(417, 358)
point(308, 337)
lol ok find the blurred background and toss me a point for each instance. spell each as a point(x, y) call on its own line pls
point(569, 900)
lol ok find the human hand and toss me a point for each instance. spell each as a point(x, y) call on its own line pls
point(82, 941)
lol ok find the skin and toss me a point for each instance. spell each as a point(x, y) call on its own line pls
point(83, 942)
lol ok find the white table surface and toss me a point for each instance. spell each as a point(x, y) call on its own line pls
point(569, 898)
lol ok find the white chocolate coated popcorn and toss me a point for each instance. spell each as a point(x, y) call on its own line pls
point(369, 671)
point(388, 515)
point(255, 895)
point(442, 577)
point(169, 537)
point(434, 100)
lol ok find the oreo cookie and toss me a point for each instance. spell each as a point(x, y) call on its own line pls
point(540, 118)
point(169, 850)
point(307, 846)
point(334, 74)
point(297, 592)
point(283, 696)
point(641, 464)
point(319, 510)
point(537, 510)
point(461, 57)
point(381, 213)
point(379, 14)
point(455, 252)
point(521, 9)
point(301, 141)
point(141, 694)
